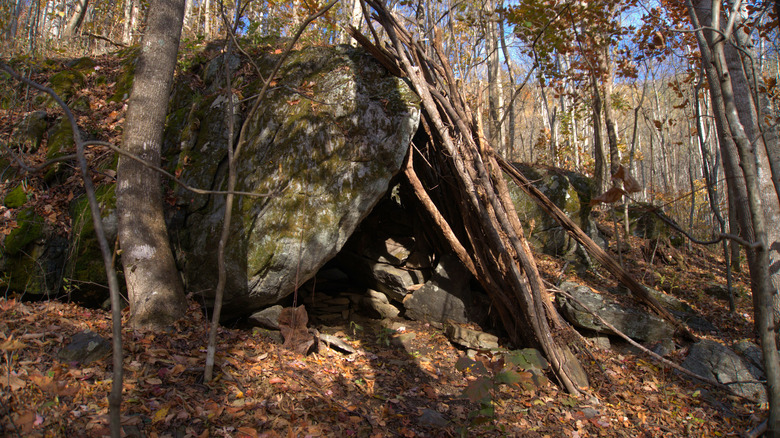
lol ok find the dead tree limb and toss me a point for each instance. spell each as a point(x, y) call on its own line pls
point(490, 234)
point(596, 251)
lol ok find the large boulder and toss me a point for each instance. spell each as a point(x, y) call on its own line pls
point(716, 361)
point(322, 149)
point(636, 324)
point(569, 191)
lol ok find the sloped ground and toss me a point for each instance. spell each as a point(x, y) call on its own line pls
point(389, 388)
point(383, 390)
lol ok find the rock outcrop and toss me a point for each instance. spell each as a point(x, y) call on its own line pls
point(321, 150)
point(636, 324)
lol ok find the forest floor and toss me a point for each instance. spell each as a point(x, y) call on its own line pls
point(391, 387)
point(387, 388)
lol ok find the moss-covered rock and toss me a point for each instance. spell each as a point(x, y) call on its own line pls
point(30, 132)
point(645, 222)
point(60, 143)
point(32, 257)
point(66, 83)
point(29, 228)
point(323, 147)
point(125, 82)
point(16, 197)
point(84, 65)
point(569, 191)
point(84, 270)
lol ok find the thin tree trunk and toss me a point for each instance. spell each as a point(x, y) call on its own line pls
point(599, 154)
point(510, 138)
point(721, 78)
point(495, 104)
point(154, 286)
point(609, 121)
point(75, 20)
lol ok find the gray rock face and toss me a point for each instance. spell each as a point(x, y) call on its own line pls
point(710, 359)
point(323, 147)
point(267, 318)
point(638, 325)
point(569, 191)
point(444, 297)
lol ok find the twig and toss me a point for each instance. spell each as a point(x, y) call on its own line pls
point(652, 354)
point(115, 397)
point(38, 168)
point(184, 185)
point(101, 37)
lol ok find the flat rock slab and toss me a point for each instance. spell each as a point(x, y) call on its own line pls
point(636, 324)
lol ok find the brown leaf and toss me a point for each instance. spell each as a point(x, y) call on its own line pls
point(630, 185)
point(609, 197)
point(292, 324)
point(12, 344)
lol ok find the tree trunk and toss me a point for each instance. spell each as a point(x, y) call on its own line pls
point(75, 20)
point(129, 24)
point(724, 80)
point(155, 290)
point(767, 148)
point(599, 155)
point(510, 131)
point(495, 100)
point(186, 28)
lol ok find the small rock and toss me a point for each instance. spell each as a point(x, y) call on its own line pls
point(375, 308)
point(470, 338)
point(590, 413)
point(663, 347)
point(267, 318)
point(379, 296)
point(84, 348)
point(273, 335)
point(404, 340)
point(429, 417)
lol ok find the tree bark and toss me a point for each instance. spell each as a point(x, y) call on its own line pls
point(723, 80)
point(155, 290)
point(599, 155)
point(75, 20)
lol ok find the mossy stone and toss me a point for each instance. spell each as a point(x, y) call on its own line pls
point(84, 267)
point(65, 84)
point(16, 197)
point(29, 228)
point(29, 133)
point(84, 64)
point(60, 142)
point(125, 82)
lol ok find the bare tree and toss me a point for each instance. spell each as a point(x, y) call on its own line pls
point(734, 121)
point(155, 289)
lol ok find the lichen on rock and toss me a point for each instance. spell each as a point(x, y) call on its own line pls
point(323, 146)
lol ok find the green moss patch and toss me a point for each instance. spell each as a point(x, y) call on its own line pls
point(29, 228)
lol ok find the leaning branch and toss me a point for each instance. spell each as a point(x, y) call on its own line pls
point(596, 251)
point(115, 397)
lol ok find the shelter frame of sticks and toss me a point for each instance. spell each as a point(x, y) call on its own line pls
point(465, 195)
